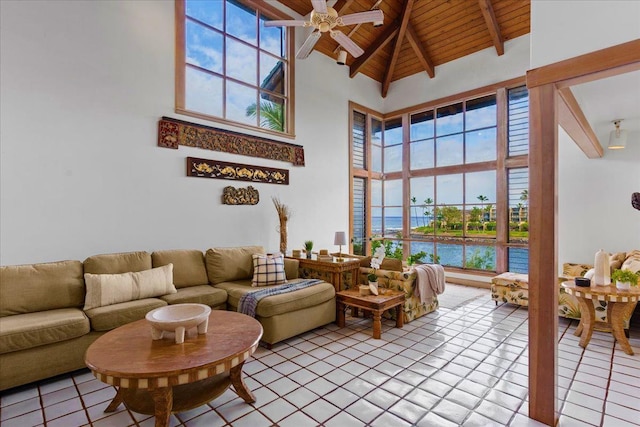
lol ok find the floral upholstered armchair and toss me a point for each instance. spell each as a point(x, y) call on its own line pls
point(514, 288)
point(402, 281)
point(393, 275)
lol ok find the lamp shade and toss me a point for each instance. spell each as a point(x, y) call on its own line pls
point(342, 57)
point(340, 238)
point(617, 139)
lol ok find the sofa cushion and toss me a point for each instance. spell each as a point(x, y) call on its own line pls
point(188, 266)
point(291, 267)
point(391, 264)
point(107, 289)
point(229, 264)
point(511, 280)
point(111, 316)
point(24, 331)
point(279, 304)
point(575, 270)
point(616, 260)
point(118, 263)
point(203, 294)
point(268, 270)
point(38, 287)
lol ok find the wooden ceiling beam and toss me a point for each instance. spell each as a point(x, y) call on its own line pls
point(420, 51)
point(342, 5)
point(573, 121)
point(404, 22)
point(492, 25)
point(375, 47)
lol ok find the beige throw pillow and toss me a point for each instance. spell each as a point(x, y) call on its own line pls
point(107, 289)
point(268, 270)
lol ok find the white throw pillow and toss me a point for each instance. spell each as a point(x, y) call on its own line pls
point(107, 289)
point(268, 270)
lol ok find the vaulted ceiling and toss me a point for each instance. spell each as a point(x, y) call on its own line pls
point(419, 35)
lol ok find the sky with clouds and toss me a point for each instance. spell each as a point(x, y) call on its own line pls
point(210, 49)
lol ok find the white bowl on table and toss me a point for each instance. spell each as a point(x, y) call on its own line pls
point(178, 318)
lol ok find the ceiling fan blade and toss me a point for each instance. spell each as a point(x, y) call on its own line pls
point(319, 6)
point(347, 43)
point(285, 23)
point(362, 17)
point(307, 46)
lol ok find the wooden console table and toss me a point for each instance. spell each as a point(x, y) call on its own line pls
point(161, 377)
point(620, 304)
point(334, 269)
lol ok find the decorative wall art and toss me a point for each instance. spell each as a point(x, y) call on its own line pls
point(173, 133)
point(224, 170)
point(240, 196)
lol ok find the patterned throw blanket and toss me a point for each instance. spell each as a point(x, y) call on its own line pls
point(249, 301)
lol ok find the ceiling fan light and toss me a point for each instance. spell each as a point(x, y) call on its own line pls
point(617, 137)
point(342, 57)
point(378, 23)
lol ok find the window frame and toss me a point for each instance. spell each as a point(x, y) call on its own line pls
point(501, 165)
point(263, 8)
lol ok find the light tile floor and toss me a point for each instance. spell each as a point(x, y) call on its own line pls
point(463, 365)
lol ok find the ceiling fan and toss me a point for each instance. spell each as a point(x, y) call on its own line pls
point(324, 19)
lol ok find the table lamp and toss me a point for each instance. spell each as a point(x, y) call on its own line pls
point(340, 239)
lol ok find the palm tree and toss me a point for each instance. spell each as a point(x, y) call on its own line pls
point(524, 196)
point(415, 209)
point(271, 115)
point(482, 200)
point(427, 202)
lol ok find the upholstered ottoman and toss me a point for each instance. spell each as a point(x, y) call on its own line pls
point(510, 287)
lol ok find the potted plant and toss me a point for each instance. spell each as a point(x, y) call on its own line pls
point(625, 279)
point(308, 246)
point(372, 277)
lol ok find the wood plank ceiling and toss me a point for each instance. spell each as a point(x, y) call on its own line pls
point(419, 35)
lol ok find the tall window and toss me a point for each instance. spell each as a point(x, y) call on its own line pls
point(452, 181)
point(230, 67)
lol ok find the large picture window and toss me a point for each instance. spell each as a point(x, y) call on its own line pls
point(230, 67)
point(451, 181)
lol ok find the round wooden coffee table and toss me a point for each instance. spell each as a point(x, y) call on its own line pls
point(161, 377)
point(620, 305)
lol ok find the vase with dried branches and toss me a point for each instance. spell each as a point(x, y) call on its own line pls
point(284, 213)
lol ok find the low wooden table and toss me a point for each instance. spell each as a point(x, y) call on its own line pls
point(377, 304)
point(620, 304)
point(161, 377)
point(335, 268)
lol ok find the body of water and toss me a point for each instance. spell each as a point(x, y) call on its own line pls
point(451, 254)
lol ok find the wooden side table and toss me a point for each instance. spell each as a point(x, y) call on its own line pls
point(377, 304)
point(161, 377)
point(334, 268)
point(620, 304)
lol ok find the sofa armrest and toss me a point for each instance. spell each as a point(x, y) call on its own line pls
point(291, 268)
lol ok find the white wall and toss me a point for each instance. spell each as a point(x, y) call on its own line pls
point(594, 201)
point(594, 209)
point(470, 72)
point(562, 29)
point(83, 86)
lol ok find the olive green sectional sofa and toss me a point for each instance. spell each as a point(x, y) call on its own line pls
point(51, 312)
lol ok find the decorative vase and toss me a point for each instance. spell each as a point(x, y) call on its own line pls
point(364, 290)
point(602, 275)
point(282, 229)
point(373, 287)
point(625, 286)
point(308, 254)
